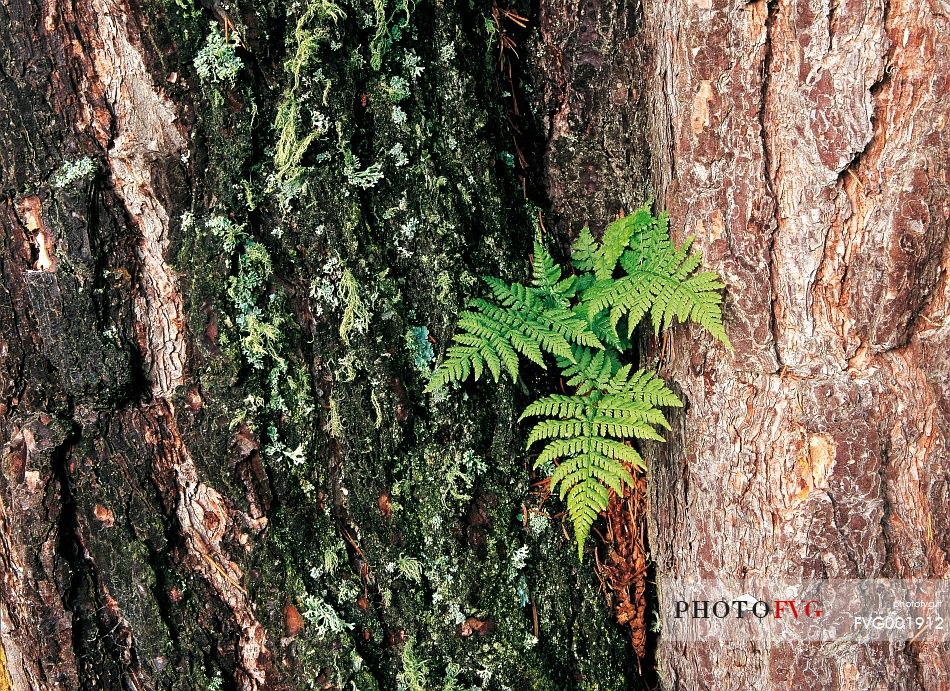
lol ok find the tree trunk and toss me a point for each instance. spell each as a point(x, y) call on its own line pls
point(230, 259)
point(805, 145)
point(232, 256)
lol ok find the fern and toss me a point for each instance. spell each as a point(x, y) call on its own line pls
point(587, 438)
point(658, 278)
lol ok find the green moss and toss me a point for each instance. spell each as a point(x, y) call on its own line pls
point(355, 315)
point(298, 123)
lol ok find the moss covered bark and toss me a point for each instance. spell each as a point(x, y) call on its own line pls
point(266, 498)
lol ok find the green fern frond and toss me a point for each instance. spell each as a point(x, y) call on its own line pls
point(538, 329)
point(515, 296)
point(585, 434)
point(587, 438)
point(591, 469)
point(659, 279)
point(490, 336)
point(590, 369)
point(529, 315)
point(650, 243)
point(550, 429)
point(482, 342)
point(645, 386)
point(573, 327)
point(583, 250)
point(616, 239)
point(456, 367)
point(556, 405)
point(698, 300)
point(546, 276)
point(607, 333)
point(585, 504)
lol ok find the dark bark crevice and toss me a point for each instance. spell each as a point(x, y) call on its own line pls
point(768, 173)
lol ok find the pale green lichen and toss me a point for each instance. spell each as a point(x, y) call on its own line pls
point(217, 63)
point(377, 409)
point(291, 147)
point(398, 89)
point(335, 424)
point(365, 178)
point(230, 234)
point(73, 171)
point(261, 329)
point(423, 355)
point(415, 672)
point(324, 619)
point(331, 559)
point(410, 568)
point(462, 468)
point(398, 153)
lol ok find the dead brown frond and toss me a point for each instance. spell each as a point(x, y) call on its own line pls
point(623, 570)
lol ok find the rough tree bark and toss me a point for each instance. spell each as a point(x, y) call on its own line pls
point(226, 260)
point(805, 145)
point(222, 289)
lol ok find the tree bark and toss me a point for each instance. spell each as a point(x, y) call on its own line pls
point(228, 264)
point(804, 144)
point(587, 67)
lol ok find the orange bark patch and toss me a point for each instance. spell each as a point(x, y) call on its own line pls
point(472, 625)
point(30, 209)
point(293, 622)
point(104, 515)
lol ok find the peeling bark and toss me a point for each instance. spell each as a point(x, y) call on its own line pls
point(204, 518)
point(134, 125)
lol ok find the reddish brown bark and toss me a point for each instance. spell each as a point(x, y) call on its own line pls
point(625, 566)
point(805, 145)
